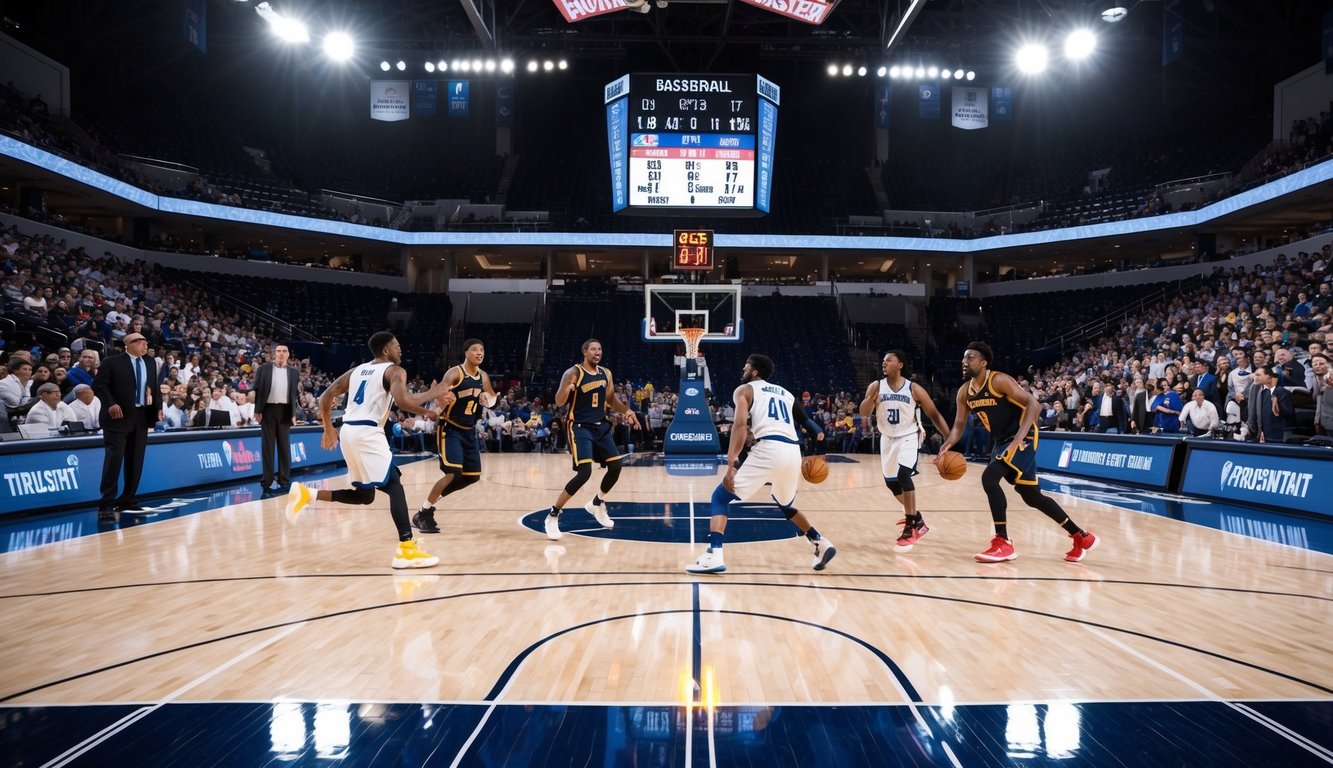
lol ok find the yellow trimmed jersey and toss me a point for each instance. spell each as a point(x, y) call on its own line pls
point(999, 414)
point(465, 410)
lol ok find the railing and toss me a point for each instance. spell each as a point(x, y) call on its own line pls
point(276, 326)
point(166, 165)
point(1102, 324)
point(1194, 180)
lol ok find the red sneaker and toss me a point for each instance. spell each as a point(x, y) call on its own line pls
point(1083, 544)
point(1001, 549)
point(910, 536)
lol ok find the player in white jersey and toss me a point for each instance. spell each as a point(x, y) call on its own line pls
point(771, 413)
point(893, 401)
point(374, 387)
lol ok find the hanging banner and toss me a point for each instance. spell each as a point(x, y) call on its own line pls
point(196, 23)
point(388, 100)
point(425, 102)
point(1002, 102)
point(883, 105)
point(578, 10)
point(929, 101)
point(1173, 36)
point(808, 11)
point(969, 108)
point(1328, 42)
point(504, 105)
point(458, 98)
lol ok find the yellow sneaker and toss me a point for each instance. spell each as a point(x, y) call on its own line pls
point(411, 555)
point(297, 498)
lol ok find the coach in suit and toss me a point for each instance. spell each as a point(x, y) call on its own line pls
point(126, 384)
point(275, 409)
point(1110, 410)
point(1270, 407)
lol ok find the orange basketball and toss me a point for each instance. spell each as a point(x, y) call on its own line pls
point(951, 465)
point(814, 469)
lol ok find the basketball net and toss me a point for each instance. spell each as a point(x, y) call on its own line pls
point(691, 337)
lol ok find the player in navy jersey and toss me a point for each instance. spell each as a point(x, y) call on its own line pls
point(1009, 413)
point(373, 388)
point(769, 412)
point(590, 390)
point(456, 436)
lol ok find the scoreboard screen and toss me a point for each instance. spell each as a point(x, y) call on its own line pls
point(691, 143)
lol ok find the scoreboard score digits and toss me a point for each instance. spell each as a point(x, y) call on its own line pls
point(693, 249)
point(689, 142)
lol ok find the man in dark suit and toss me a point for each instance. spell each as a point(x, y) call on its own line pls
point(126, 384)
point(276, 388)
point(1270, 407)
point(1109, 408)
point(1203, 378)
point(1139, 397)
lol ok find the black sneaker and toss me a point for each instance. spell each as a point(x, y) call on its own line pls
point(424, 520)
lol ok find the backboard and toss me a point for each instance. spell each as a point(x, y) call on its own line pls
point(715, 308)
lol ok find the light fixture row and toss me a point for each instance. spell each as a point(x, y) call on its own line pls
point(901, 72)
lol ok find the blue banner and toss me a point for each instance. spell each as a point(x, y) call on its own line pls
point(1328, 42)
point(1001, 103)
point(1282, 477)
point(929, 101)
point(196, 23)
point(883, 105)
point(425, 102)
point(617, 143)
point(1173, 36)
point(56, 473)
point(768, 135)
point(504, 105)
point(458, 98)
point(1142, 461)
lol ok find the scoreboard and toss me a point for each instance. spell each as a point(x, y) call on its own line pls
point(693, 249)
point(691, 143)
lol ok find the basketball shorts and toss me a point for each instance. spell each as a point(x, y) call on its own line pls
point(592, 443)
point(1022, 463)
point(897, 452)
point(459, 452)
point(366, 450)
point(770, 461)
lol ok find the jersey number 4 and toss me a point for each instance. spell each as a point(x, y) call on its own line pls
point(360, 396)
point(777, 410)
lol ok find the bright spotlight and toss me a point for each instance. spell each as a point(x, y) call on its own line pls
point(881, 72)
point(846, 70)
point(971, 75)
point(440, 65)
point(507, 66)
point(932, 72)
point(920, 73)
point(476, 65)
point(1114, 13)
point(401, 65)
point(430, 66)
point(832, 70)
point(894, 71)
point(563, 64)
point(490, 65)
point(384, 65)
point(1031, 59)
point(958, 74)
point(1080, 44)
point(464, 65)
point(338, 46)
point(286, 28)
point(532, 65)
point(861, 71)
point(548, 65)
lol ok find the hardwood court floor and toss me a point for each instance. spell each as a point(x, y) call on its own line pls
point(236, 606)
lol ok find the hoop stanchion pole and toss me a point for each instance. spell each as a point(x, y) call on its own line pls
point(692, 430)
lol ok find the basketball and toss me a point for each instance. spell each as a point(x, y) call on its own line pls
point(951, 465)
point(814, 469)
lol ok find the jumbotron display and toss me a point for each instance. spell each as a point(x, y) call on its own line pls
point(691, 143)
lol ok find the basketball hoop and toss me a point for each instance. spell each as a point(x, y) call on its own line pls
point(691, 337)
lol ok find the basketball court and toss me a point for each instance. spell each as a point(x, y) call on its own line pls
point(230, 637)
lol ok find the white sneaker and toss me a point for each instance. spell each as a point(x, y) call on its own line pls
point(824, 552)
point(553, 527)
point(599, 513)
point(709, 562)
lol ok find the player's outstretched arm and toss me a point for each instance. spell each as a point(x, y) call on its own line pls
point(872, 396)
point(442, 391)
point(928, 405)
point(406, 400)
point(959, 421)
point(804, 421)
point(619, 406)
point(566, 388)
